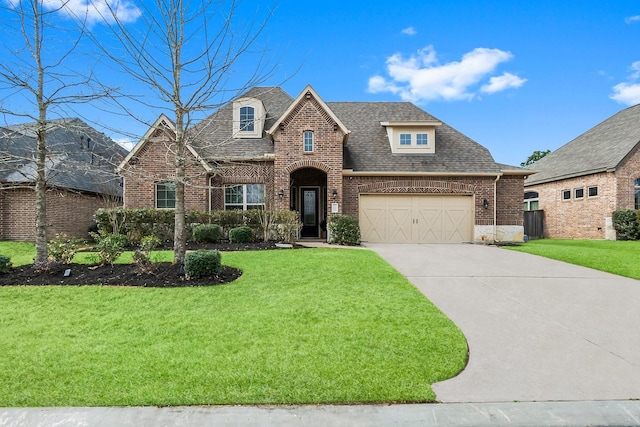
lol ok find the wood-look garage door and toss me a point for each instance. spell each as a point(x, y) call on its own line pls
point(416, 218)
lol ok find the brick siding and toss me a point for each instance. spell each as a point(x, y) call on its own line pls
point(290, 155)
point(67, 212)
point(154, 163)
point(583, 218)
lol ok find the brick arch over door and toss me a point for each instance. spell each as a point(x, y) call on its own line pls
point(418, 186)
point(308, 164)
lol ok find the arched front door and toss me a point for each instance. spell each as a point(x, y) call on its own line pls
point(309, 198)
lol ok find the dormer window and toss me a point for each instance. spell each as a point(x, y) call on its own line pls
point(248, 118)
point(412, 137)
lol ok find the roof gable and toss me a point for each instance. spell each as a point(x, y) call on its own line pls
point(602, 148)
point(309, 93)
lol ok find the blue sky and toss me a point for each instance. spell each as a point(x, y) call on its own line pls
point(514, 76)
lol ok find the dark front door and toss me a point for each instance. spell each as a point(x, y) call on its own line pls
point(309, 209)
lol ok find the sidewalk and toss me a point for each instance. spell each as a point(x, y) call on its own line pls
point(606, 413)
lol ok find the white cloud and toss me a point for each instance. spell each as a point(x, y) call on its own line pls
point(410, 31)
point(632, 19)
point(503, 82)
point(421, 78)
point(626, 93)
point(94, 11)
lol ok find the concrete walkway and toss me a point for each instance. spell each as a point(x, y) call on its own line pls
point(537, 329)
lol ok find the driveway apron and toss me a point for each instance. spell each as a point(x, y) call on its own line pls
point(537, 329)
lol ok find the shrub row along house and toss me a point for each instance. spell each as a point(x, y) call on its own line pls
point(406, 175)
point(582, 183)
point(80, 175)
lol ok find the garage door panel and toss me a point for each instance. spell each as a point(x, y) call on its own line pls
point(416, 218)
point(373, 224)
point(398, 227)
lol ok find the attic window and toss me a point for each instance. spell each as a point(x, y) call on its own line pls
point(247, 115)
point(248, 118)
point(416, 137)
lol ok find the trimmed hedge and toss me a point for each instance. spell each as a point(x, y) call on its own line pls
point(137, 223)
point(625, 223)
point(202, 263)
point(344, 230)
point(241, 235)
point(206, 233)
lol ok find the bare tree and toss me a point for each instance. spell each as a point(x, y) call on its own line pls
point(36, 67)
point(186, 56)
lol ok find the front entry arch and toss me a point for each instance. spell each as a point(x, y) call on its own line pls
point(309, 199)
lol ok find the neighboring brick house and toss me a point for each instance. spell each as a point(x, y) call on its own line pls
point(81, 178)
point(407, 176)
point(582, 183)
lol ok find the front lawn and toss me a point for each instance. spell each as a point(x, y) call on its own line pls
point(299, 326)
point(612, 256)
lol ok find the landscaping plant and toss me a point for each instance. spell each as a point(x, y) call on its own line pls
point(202, 263)
point(63, 248)
point(5, 264)
point(344, 230)
point(241, 234)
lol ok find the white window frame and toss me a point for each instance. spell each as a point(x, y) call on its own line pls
point(589, 188)
point(426, 139)
point(308, 143)
point(575, 193)
point(403, 137)
point(245, 203)
point(247, 118)
point(562, 193)
point(259, 115)
point(166, 191)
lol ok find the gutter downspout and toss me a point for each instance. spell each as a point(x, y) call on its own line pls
point(495, 208)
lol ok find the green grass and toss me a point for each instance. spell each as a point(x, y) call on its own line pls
point(300, 326)
point(617, 257)
point(21, 253)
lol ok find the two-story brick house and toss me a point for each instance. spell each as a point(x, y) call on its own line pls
point(406, 175)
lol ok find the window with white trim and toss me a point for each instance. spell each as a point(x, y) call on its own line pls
point(308, 141)
point(531, 202)
point(422, 139)
point(405, 139)
point(244, 196)
point(579, 193)
point(592, 191)
point(166, 195)
point(247, 117)
point(566, 194)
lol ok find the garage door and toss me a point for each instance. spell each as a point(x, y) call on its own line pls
point(416, 218)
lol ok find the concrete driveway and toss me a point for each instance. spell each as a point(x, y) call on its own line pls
point(537, 329)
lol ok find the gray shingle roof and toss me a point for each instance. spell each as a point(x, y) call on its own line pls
point(601, 148)
point(79, 157)
point(368, 148)
point(212, 137)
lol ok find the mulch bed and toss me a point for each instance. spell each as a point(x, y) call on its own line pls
point(163, 275)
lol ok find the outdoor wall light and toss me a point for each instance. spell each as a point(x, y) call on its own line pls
point(281, 193)
point(334, 193)
point(485, 204)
